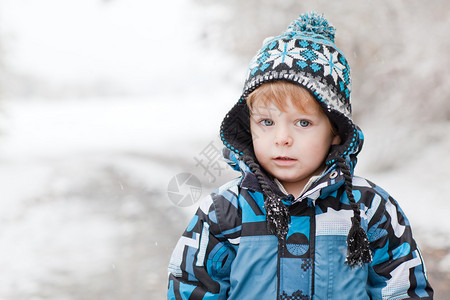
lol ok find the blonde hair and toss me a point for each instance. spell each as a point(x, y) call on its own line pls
point(277, 92)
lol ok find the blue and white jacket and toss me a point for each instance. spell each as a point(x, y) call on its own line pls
point(226, 251)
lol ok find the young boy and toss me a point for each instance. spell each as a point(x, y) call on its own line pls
point(297, 224)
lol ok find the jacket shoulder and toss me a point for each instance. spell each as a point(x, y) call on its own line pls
point(368, 187)
point(372, 198)
point(381, 209)
point(223, 211)
point(228, 191)
point(230, 186)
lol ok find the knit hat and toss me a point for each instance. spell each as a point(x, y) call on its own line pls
point(306, 55)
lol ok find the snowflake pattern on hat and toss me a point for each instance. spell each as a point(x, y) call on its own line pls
point(283, 54)
point(309, 54)
point(305, 54)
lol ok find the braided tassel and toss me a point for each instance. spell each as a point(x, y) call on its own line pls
point(358, 251)
point(278, 217)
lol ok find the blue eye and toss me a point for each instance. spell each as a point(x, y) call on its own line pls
point(267, 122)
point(303, 123)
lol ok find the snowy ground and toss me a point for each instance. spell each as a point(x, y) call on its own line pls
point(85, 212)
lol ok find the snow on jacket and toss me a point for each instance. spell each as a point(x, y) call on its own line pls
point(226, 251)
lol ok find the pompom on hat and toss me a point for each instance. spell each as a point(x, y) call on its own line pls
point(306, 55)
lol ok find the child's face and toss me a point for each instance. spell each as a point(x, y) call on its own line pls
point(291, 145)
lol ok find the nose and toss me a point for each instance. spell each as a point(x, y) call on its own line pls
point(283, 137)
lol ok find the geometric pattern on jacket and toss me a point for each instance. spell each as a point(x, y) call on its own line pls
point(226, 251)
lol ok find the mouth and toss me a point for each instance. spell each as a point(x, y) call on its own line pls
point(284, 158)
point(284, 161)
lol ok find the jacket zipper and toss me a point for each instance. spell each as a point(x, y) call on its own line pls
point(279, 255)
point(312, 248)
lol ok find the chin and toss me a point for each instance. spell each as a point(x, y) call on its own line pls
point(287, 179)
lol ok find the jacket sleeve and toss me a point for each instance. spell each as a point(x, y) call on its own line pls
point(397, 270)
point(201, 261)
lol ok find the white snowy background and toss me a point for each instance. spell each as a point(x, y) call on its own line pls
point(104, 102)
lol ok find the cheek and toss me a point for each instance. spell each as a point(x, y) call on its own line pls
point(257, 134)
point(261, 138)
point(318, 143)
point(261, 143)
point(258, 148)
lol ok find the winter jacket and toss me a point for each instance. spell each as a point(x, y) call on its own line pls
point(226, 251)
